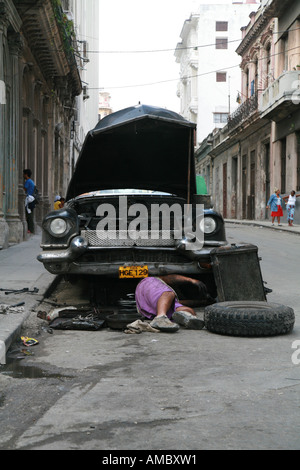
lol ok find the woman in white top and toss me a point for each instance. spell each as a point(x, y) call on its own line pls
point(290, 207)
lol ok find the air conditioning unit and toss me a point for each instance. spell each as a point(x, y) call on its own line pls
point(85, 93)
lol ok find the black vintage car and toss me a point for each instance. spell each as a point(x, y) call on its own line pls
point(132, 210)
point(138, 158)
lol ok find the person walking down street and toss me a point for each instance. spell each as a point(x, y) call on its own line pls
point(157, 301)
point(29, 199)
point(275, 204)
point(290, 206)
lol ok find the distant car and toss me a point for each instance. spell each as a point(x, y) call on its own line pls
point(134, 160)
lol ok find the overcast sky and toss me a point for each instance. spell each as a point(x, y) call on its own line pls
point(139, 25)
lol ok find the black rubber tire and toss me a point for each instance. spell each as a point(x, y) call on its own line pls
point(244, 318)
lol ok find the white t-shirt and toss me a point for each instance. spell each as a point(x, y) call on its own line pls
point(292, 200)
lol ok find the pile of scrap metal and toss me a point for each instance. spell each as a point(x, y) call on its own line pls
point(86, 318)
point(73, 318)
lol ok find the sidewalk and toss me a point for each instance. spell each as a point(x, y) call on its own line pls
point(267, 224)
point(20, 269)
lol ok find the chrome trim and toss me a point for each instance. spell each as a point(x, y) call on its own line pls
point(77, 247)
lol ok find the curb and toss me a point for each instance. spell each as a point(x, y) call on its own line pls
point(13, 322)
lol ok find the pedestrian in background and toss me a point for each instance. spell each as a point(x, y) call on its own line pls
point(56, 203)
point(29, 199)
point(290, 206)
point(275, 204)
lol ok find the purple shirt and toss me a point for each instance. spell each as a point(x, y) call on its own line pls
point(147, 293)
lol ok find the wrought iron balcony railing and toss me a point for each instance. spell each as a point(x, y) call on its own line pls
point(243, 112)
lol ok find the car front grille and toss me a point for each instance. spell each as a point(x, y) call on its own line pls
point(161, 238)
point(136, 255)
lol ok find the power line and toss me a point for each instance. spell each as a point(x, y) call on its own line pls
point(149, 51)
point(199, 46)
point(187, 76)
point(162, 81)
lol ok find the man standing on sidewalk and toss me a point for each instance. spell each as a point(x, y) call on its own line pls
point(29, 200)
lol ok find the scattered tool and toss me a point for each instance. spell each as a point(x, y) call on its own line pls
point(5, 309)
point(19, 291)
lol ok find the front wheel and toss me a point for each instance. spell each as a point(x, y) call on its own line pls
point(244, 318)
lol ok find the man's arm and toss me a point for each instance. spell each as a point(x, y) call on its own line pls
point(175, 279)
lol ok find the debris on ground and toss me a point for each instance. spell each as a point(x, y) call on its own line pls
point(55, 313)
point(29, 341)
point(20, 291)
point(139, 326)
point(74, 318)
point(18, 353)
point(89, 322)
point(16, 308)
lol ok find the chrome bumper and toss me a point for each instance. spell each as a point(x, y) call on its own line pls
point(77, 247)
point(62, 261)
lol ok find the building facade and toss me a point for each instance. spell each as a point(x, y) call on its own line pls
point(209, 72)
point(258, 149)
point(280, 101)
point(104, 104)
point(86, 26)
point(41, 66)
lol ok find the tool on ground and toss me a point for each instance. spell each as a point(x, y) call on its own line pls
point(18, 305)
point(19, 291)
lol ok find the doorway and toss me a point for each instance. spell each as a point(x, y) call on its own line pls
point(251, 205)
point(244, 186)
point(267, 172)
point(234, 166)
point(225, 190)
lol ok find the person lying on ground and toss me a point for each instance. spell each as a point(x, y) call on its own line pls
point(157, 300)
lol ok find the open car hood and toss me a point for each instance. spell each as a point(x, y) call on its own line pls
point(141, 147)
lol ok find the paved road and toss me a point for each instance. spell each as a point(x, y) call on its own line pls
point(280, 253)
point(192, 390)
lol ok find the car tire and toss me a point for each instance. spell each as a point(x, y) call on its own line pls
point(244, 318)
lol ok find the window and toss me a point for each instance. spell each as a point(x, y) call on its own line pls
point(221, 43)
point(221, 26)
point(220, 118)
point(221, 76)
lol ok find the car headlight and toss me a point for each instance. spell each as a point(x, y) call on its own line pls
point(208, 225)
point(58, 226)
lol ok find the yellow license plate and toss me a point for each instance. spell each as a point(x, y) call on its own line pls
point(126, 272)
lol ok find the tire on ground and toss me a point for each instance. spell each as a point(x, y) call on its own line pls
point(244, 318)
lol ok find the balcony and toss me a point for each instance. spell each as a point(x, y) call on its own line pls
point(51, 39)
point(281, 97)
point(193, 105)
point(243, 112)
